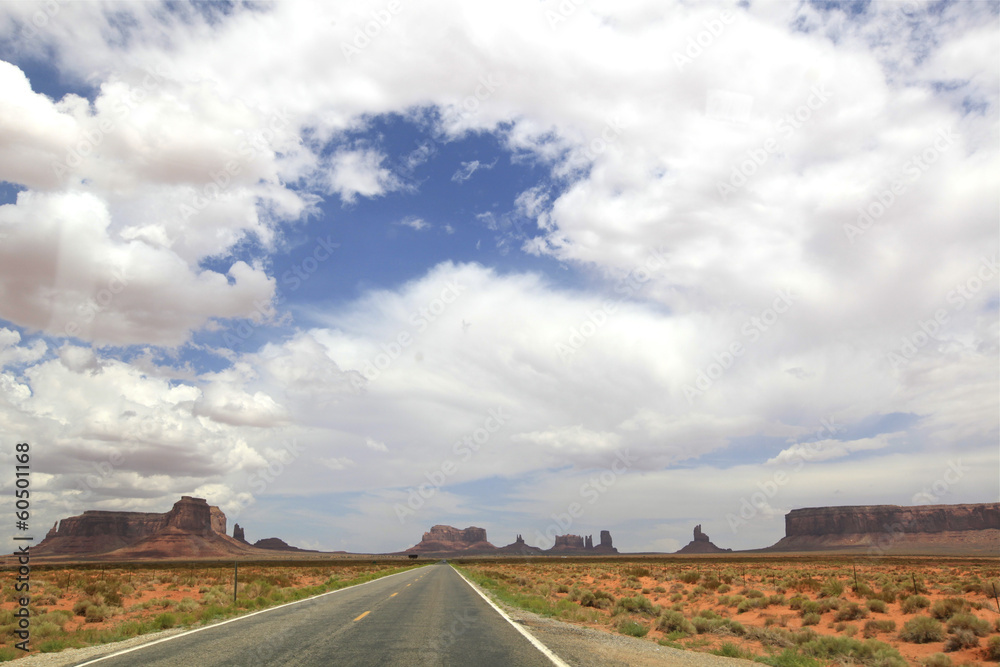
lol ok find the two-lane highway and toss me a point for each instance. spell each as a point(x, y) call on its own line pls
point(428, 616)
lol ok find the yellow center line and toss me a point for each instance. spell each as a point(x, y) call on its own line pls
point(362, 616)
point(409, 584)
point(394, 595)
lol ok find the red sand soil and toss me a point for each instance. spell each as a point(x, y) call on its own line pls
point(767, 577)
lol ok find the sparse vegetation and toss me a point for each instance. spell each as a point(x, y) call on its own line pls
point(805, 613)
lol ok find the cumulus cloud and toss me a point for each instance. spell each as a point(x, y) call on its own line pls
point(418, 224)
point(360, 172)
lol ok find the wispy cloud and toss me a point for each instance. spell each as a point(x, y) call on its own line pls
point(469, 168)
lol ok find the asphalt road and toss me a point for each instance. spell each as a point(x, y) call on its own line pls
point(428, 616)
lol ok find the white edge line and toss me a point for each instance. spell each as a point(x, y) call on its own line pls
point(546, 651)
point(231, 620)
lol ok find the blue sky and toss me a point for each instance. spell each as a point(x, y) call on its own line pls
point(461, 265)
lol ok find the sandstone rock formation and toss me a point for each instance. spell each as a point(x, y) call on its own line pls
point(701, 544)
point(192, 528)
point(239, 534)
point(446, 539)
point(606, 541)
point(519, 547)
point(894, 528)
point(274, 544)
point(583, 545)
point(568, 543)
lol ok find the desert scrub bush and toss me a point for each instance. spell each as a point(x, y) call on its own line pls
point(851, 611)
point(887, 594)
point(189, 604)
point(980, 627)
point(845, 649)
point(876, 605)
point(807, 584)
point(863, 590)
point(674, 621)
point(638, 604)
point(632, 628)
point(945, 609)
point(659, 589)
point(770, 636)
point(703, 625)
point(689, 576)
point(730, 650)
point(96, 613)
point(636, 571)
point(81, 605)
point(165, 620)
point(811, 619)
point(961, 639)
point(922, 630)
point(724, 588)
point(809, 607)
point(831, 588)
point(993, 649)
point(676, 597)
point(936, 660)
point(829, 604)
point(795, 602)
point(914, 603)
point(45, 629)
point(874, 627)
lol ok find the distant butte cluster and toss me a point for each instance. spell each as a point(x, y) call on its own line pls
point(472, 540)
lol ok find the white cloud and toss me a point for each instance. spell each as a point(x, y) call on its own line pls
point(824, 450)
point(375, 445)
point(360, 172)
point(415, 223)
point(467, 169)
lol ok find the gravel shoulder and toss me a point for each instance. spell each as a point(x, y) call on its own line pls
point(73, 656)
